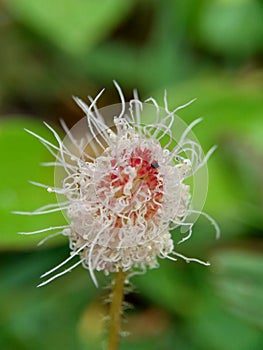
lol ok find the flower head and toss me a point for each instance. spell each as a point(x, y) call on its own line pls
point(124, 187)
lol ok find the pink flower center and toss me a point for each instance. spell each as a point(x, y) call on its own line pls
point(135, 183)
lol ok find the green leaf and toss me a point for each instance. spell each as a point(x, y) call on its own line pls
point(21, 155)
point(73, 25)
point(238, 280)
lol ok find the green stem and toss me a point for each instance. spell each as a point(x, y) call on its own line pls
point(116, 310)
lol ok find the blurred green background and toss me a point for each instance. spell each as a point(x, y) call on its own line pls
point(209, 49)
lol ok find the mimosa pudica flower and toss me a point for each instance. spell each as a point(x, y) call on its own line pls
point(124, 188)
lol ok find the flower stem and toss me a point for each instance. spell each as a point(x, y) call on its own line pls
point(115, 312)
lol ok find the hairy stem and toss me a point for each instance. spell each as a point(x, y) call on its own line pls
point(116, 310)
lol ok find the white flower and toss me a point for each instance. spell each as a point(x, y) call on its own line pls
point(123, 188)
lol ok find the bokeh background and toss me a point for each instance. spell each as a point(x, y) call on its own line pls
point(208, 49)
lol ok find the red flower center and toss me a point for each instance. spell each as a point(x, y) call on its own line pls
point(136, 184)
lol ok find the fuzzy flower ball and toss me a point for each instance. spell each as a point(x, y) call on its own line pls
point(124, 189)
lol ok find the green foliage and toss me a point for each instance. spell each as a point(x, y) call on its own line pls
point(232, 28)
point(216, 329)
point(72, 25)
point(39, 318)
point(21, 155)
point(239, 282)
